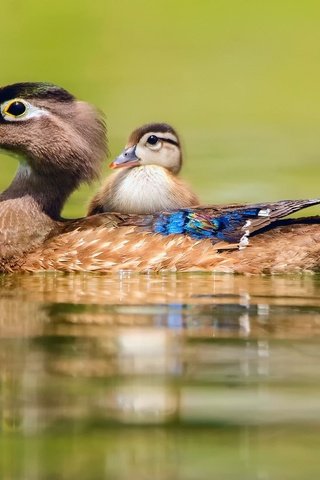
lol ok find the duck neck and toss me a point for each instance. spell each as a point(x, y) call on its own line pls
point(29, 213)
point(47, 195)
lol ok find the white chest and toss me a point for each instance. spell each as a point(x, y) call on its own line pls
point(143, 190)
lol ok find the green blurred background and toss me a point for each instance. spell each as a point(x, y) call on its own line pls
point(240, 80)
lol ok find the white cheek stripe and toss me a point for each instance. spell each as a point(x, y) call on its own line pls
point(31, 112)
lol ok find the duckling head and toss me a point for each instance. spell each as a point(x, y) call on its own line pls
point(56, 135)
point(152, 144)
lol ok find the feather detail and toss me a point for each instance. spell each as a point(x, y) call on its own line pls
point(113, 242)
point(291, 247)
point(231, 223)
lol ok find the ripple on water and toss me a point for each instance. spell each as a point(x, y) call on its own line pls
point(205, 357)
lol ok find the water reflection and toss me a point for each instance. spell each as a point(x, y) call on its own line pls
point(86, 354)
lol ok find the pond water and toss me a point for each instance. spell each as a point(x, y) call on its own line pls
point(171, 376)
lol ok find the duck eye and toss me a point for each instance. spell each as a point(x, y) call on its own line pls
point(152, 140)
point(15, 108)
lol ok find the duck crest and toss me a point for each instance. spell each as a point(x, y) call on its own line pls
point(47, 91)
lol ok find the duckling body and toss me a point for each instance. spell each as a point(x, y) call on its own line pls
point(147, 181)
point(62, 142)
point(142, 190)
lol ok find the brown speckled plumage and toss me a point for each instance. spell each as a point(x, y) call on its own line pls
point(292, 248)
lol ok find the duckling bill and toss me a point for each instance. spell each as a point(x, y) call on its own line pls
point(128, 158)
point(146, 179)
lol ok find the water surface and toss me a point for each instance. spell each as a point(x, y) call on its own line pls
point(164, 376)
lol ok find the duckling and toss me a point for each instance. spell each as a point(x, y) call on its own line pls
point(61, 142)
point(152, 159)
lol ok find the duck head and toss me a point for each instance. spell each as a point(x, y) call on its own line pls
point(56, 135)
point(152, 144)
point(61, 143)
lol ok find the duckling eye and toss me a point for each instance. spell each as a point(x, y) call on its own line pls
point(152, 140)
point(16, 108)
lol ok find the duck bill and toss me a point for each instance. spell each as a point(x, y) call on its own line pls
point(127, 158)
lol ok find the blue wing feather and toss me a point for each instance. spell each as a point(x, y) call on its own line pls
point(229, 223)
point(228, 227)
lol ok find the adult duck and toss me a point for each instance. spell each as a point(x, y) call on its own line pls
point(146, 179)
point(61, 143)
